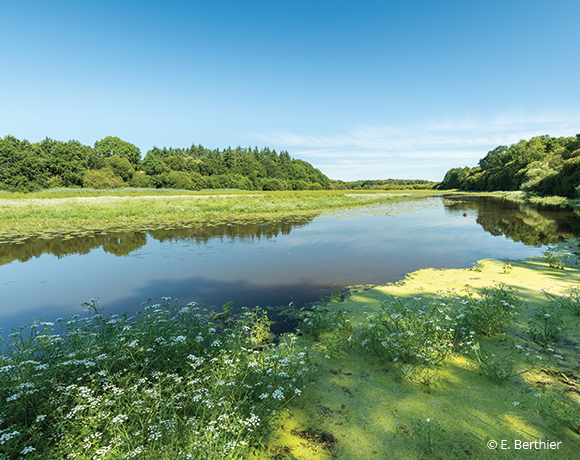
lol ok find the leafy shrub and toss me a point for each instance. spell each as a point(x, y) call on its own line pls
point(102, 178)
point(140, 180)
point(273, 185)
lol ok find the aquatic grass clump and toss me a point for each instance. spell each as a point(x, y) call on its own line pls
point(172, 382)
point(488, 311)
point(410, 332)
point(331, 329)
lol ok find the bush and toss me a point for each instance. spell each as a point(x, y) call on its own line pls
point(273, 185)
point(140, 180)
point(102, 178)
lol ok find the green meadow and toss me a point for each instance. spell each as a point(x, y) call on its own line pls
point(71, 212)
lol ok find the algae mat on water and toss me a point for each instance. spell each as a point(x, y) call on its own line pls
point(360, 407)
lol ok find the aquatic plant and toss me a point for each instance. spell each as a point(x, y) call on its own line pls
point(498, 368)
point(172, 382)
point(570, 300)
point(488, 311)
point(546, 325)
point(406, 331)
point(331, 329)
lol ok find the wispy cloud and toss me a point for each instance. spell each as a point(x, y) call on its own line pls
point(368, 150)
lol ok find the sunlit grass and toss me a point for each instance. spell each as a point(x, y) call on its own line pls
point(38, 215)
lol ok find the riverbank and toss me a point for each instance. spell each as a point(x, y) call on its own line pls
point(525, 197)
point(47, 216)
point(423, 368)
point(513, 378)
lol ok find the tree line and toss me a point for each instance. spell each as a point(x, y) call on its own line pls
point(543, 165)
point(383, 184)
point(112, 162)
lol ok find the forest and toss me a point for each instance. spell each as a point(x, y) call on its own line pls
point(113, 163)
point(543, 165)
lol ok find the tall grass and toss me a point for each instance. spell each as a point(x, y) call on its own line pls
point(174, 382)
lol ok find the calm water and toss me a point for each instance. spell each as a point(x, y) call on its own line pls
point(272, 263)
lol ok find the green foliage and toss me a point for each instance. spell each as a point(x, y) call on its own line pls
point(140, 180)
point(553, 259)
point(169, 382)
point(273, 185)
point(102, 178)
point(569, 301)
point(429, 435)
point(542, 165)
point(111, 145)
point(22, 165)
point(558, 407)
point(497, 369)
point(120, 167)
point(454, 178)
point(409, 332)
point(489, 311)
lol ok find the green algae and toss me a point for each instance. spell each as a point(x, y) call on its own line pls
point(373, 411)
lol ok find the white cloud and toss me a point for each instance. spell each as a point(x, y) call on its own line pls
point(431, 147)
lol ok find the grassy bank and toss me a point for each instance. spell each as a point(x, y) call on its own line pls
point(22, 216)
point(441, 364)
point(525, 197)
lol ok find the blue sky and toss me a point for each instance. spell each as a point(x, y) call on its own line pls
point(362, 90)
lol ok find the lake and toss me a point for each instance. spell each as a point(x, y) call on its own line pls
point(269, 264)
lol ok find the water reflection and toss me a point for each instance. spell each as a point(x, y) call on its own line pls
point(124, 243)
point(522, 222)
point(267, 264)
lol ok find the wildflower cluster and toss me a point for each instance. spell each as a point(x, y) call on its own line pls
point(487, 312)
point(174, 379)
point(546, 325)
point(410, 332)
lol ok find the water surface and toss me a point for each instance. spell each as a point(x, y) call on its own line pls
point(271, 263)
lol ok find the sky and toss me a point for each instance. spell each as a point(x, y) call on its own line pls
point(360, 89)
